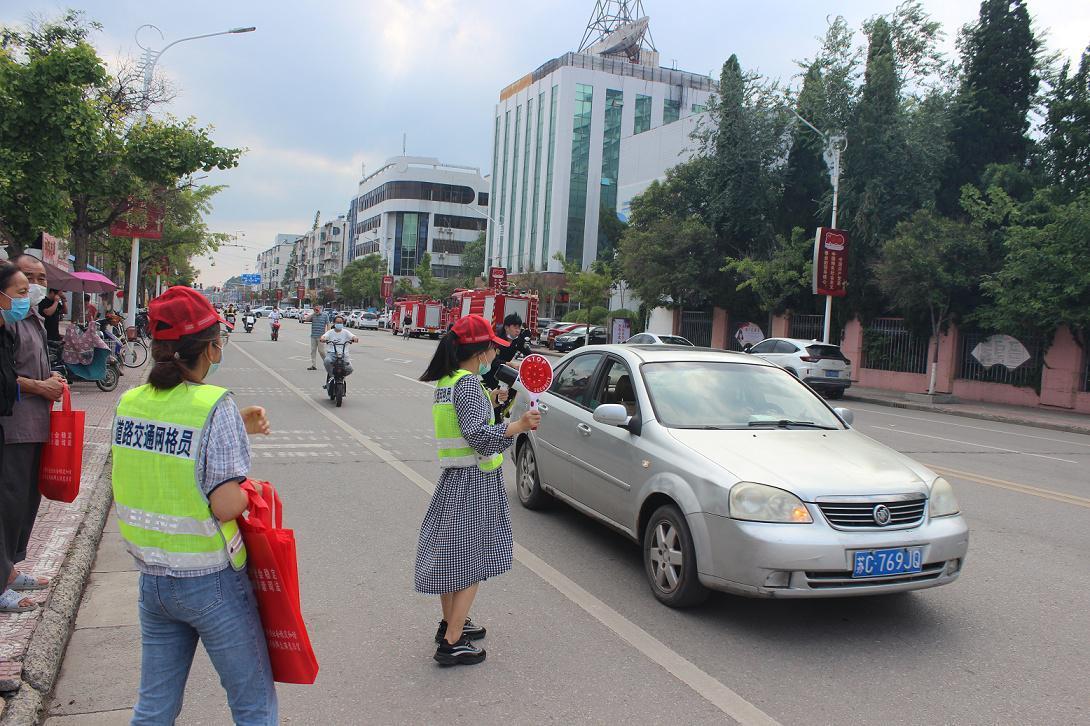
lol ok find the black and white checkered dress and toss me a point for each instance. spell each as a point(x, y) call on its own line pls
point(466, 533)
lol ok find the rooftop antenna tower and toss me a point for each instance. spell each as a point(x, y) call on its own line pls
point(619, 28)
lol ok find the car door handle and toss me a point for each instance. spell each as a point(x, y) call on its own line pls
point(585, 429)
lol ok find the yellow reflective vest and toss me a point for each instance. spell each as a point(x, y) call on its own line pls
point(163, 514)
point(454, 450)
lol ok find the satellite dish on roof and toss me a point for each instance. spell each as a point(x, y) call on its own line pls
point(622, 40)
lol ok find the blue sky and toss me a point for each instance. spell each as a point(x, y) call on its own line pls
point(325, 86)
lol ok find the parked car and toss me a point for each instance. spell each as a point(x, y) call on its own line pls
point(656, 339)
point(542, 325)
point(352, 319)
point(367, 321)
point(304, 315)
point(558, 329)
point(577, 337)
point(821, 365)
point(732, 475)
point(263, 310)
point(384, 320)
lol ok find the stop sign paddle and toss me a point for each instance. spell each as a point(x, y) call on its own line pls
point(536, 375)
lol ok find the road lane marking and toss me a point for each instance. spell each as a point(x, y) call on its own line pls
point(413, 380)
point(979, 428)
point(1014, 486)
point(288, 445)
point(972, 443)
point(725, 699)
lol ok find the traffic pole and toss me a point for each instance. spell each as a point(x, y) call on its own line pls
point(134, 283)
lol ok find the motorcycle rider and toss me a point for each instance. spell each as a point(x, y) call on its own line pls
point(248, 321)
point(337, 334)
point(274, 319)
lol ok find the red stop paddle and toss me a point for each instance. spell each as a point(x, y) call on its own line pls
point(536, 375)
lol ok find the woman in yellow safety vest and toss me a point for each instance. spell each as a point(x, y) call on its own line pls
point(180, 450)
point(466, 534)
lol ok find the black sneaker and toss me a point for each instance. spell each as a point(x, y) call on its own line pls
point(461, 653)
point(470, 630)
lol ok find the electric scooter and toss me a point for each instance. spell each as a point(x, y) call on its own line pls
point(274, 329)
point(336, 386)
point(248, 323)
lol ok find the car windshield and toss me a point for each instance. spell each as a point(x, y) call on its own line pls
point(714, 395)
point(673, 340)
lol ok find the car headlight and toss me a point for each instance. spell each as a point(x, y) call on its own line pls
point(762, 503)
point(943, 501)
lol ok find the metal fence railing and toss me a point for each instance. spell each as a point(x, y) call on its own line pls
point(889, 346)
point(696, 325)
point(811, 327)
point(999, 359)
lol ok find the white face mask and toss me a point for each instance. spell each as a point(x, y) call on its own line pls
point(37, 294)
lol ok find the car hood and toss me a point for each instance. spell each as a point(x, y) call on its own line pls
point(809, 463)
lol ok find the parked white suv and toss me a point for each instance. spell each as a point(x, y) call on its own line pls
point(822, 366)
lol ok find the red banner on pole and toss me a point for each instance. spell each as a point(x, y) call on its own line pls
point(144, 220)
point(279, 294)
point(497, 277)
point(387, 287)
point(830, 262)
point(302, 292)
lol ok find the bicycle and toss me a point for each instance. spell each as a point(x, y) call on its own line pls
point(132, 353)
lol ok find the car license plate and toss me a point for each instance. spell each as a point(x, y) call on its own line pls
point(832, 374)
point(894, 561)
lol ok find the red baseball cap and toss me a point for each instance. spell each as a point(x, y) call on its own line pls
point(475, 329)
point(181, 311)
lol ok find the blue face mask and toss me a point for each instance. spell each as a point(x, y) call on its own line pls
point(20, 308)
point(338, 326)
point(214, 366)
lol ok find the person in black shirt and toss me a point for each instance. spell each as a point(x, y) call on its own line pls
point(52, 309)
point(512, 331)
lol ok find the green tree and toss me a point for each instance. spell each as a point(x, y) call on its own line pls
point(361, 280)
point(1066, 144)
point(931, 268)
point(783, 281)
point(428, 283)
point(589, 289)
point(473, 260)
point(1000, 59)
point(1044, 281)
point(670, 261)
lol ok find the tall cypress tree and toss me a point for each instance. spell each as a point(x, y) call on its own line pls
point(872, 195)
point(1067, 130)
point(805, 180)
point(999, 81)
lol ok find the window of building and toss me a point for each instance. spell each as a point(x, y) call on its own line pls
point(580, 170)
point(482, 199)
point(699, 108)
point(537, 176)
point(549, 180)
point(411, 230)
point(643, 114)
point(477, 224)
point(611, 154)
point(671, 111)
point(495, 178)
point(508, 257)
point(497, 252)
point(520, 263)
point(420, 190)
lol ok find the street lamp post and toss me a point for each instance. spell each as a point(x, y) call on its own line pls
point(835, 144)
point(484, 272)
point(151, 57)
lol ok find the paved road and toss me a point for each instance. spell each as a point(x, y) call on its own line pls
point(575, 634)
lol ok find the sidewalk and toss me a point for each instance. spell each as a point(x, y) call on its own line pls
point(62, 548)
point(1042, 418)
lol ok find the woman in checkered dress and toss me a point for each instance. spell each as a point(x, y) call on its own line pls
point(466, 534)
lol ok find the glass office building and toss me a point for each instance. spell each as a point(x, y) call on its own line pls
point(558, 152)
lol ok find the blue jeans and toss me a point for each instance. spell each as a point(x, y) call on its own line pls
point(221, 611)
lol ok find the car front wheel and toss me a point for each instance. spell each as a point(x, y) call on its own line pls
point(531, 495)
point(670, 560)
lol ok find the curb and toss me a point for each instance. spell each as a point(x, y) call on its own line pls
point(997, 417)
point(45, 652)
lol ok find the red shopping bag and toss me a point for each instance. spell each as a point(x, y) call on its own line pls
point(270, 551)
point(62, 456)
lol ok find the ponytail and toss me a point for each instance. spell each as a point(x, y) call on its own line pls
point(449, 355)
point(175, 358)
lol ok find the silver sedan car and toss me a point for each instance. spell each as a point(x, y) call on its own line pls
point(734, 475)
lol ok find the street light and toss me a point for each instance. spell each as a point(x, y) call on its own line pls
point(835, 144)
point(498, 224)
point(151, 57)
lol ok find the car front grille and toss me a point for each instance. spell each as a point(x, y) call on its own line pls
point(861, 515)
point(844, 580)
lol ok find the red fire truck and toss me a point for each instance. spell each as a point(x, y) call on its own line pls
point(495, 306)
point(427, 317)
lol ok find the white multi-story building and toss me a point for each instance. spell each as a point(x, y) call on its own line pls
point(564, 149)
point(273, 262)
point(413, 205)
point(319, 257)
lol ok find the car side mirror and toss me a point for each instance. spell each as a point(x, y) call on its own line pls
point(612, 414)
point(845, 415)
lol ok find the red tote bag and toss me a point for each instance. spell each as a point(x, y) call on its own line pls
point(270, 552)
point(62, 456)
